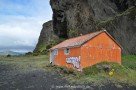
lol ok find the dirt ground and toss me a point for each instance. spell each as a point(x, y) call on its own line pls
point(14, 76)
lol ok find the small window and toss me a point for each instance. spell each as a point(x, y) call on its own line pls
point(66, 51)
point(56, 52)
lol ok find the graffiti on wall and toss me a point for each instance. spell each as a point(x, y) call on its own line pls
point(74, 60)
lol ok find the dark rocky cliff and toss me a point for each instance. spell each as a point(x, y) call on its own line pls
point(123, 28)
point(74, 17)
point(81, 16)
point(46, 37)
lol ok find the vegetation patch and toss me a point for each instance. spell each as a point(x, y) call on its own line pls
point(129, 61)
point(43, 49)
point(25, 62)
point(130, 13)
point(102, 73)
point(73, 33)
point(115, 73)
point(99, 74)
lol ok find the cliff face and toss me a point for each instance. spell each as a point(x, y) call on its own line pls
point(46, 37)
point(74, 17)
point(104, 9)
point(80, 16)
point(123, 29)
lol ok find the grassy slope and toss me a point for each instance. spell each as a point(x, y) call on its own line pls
point(123, 74)
point(24, 62)
point(129, 61)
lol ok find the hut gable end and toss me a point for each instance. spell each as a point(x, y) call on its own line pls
point(103, 40)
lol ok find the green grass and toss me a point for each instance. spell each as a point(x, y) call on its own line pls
point(129, 61)
point(25, 62)
point(125, 73)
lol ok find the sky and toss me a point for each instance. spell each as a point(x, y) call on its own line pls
point(21, 23)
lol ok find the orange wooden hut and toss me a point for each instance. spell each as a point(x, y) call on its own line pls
point(86, 50)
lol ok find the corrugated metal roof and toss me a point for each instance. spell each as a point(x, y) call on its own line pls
point(77, 41)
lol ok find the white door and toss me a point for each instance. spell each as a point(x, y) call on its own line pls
point(52, 55)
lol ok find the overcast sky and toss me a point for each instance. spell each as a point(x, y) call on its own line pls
point(21, 22)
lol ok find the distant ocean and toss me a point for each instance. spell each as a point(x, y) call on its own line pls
point(14, 52)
